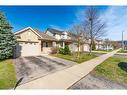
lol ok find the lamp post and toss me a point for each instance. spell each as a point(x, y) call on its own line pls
point(122, 41)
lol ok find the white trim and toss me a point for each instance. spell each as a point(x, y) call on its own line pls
point(26, 29)
point(22, 30)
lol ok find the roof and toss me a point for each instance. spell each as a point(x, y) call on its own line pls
point(23, 30)
point(37, 32)
point(72, 35)
point(98, 39)
point(44, 36)
point(55, 31)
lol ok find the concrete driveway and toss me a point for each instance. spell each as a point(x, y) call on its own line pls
point(31, 68)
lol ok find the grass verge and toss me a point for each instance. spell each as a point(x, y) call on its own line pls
point(7, 74)
point(114, 69)
point(101, 51)
point(124, 54)
point(82, 58)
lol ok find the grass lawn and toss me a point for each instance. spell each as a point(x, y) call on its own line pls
point(101, 51)
point(125, 54)
point(114, 69)
point(83, 57)
point(7, 74)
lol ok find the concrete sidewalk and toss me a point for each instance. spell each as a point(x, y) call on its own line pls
point(67, 77)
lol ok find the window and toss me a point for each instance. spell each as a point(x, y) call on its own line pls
point(46, 44)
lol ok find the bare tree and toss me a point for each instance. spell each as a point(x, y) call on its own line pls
point(94, 25)
point(107, 43)
point(116, 44)
point(78, 31)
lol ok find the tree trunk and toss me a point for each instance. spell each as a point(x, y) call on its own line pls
point(90, 50)
point(107, 47)
point(91, 34)
point(78, 48)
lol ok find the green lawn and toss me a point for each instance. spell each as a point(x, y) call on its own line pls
point(125, 54)
point(120, 52)
point(101, 51)
point(113, 69)
point(83, 57)
point(7, 74)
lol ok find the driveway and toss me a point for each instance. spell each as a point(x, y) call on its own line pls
point(31, 68)
point(120, 56)
point(66, 78)
point(95, 82)
point(91, 81)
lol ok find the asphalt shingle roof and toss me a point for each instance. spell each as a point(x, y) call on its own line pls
point(54, 31)
point(45, 36)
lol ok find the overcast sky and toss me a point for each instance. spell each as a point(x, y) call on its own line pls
point(62, 17)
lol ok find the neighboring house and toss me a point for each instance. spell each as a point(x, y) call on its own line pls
point(124, 42)
point(99, 44)
point(61, 37)
point(103, 45)
point(32, 42)
point(67, 38)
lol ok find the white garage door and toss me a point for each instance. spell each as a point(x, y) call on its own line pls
point(86, 47)
point(28, 49)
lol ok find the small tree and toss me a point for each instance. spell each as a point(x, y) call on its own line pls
point(7, 38)
point(79, 33)
point(66, 50)
point(107, 43)
point(116, 44)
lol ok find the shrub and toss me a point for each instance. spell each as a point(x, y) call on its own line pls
point(64, 50)
point(54, 50)
point(61, 51)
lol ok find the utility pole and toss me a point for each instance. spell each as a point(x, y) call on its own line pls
point(122, 41)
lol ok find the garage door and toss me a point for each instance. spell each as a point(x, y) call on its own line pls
point(86, 47)
point(28, 49)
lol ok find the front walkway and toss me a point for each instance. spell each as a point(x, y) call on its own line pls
point(67, 77)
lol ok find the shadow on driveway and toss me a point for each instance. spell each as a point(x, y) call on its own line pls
point(44, 65)
point(23, 68)
point(58, 63)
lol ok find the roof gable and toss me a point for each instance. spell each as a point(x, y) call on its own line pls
point(25, 29)
point(41, 35)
